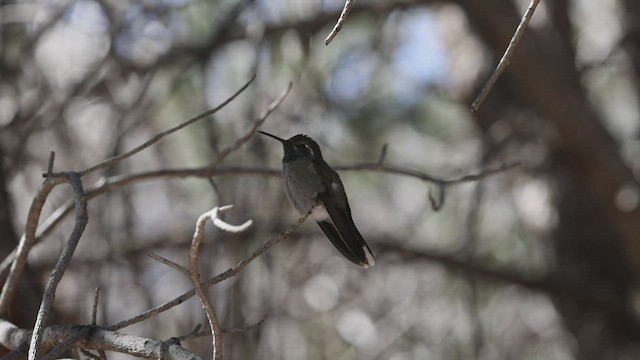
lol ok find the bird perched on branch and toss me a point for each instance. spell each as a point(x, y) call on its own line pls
point(312, 185)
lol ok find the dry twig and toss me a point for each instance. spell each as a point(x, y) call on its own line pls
point(97, 338)
point(252, 130)
point(348, 4)
point(198, 235)
point(118, 158)
point(119, 181)
point(169, 263)
point(214, 280)
point(506, 58)
point(58, 271)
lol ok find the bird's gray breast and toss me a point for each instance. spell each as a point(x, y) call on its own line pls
point(302, 184)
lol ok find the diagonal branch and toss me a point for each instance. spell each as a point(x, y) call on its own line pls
point(119, 181)
point(198, 235)
point(214, 280)
point(343, 17)
point(118, 158)
point(256, 124)
point(506, 58)
point(27, 241)
point(58, 271)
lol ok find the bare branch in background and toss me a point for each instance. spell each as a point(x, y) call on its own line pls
point(506, 58)
point(116, 159)
point(343, 17)
point(26, 242)
point(214, 280)
point(94, 310)
point(195, 333)
point(252, 130)
point(194, 275)
point(82, 219)
point(95, 338)
point(169, 263)
point(119, 181)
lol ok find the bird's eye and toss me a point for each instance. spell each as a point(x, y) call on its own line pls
point(308, 148)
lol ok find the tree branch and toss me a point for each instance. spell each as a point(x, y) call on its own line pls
point(27, 241)
point(506, 58)
point(58, 271)
point(97, 338)
point(118, 158)
point(119, 181)
point(343, 17)
point(214, 280)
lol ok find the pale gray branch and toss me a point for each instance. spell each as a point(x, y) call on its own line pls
point(343, 17)
point(214, 280)
point(506, 57)
point(97, 338)
point(58, 271)
point(256, 124)
point(26, 242)
point(117, 158)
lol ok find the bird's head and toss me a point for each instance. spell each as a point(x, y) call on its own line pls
point(298, 147)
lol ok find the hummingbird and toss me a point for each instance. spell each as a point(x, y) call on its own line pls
point(312, 185)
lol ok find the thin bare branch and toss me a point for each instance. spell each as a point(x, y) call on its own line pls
point(52, 157)
point(169, 263)
point(119, 181)
point(58, 271)
point(68, 343)
point(256, 124)
point(97, 338)
point(194, 275)
point(343, 17)
point(506, 57)
point(195, 333)
point(214, 280)
point(117, 158)
point(26, 242)
point(94, 311)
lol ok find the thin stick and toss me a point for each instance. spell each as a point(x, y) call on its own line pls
point(58, 271)
point(94, 312)
point(198, 235)
point(169, 263)
point(239, 330)
point(27, 241)
point(256, 124)
point(67, 343)
point(214, 280)
point(118, 181)
point(117, 158)
point(52, 157)
point(506, 58)
point(343, 17)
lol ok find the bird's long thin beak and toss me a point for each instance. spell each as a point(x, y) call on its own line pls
point(273, 136)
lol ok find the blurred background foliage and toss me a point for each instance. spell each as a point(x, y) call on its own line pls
point(538, 262)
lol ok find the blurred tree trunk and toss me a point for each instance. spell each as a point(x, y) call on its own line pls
point(597, 245)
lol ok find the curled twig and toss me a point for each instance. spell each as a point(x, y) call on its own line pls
point(214, 280)
point(198, 235)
